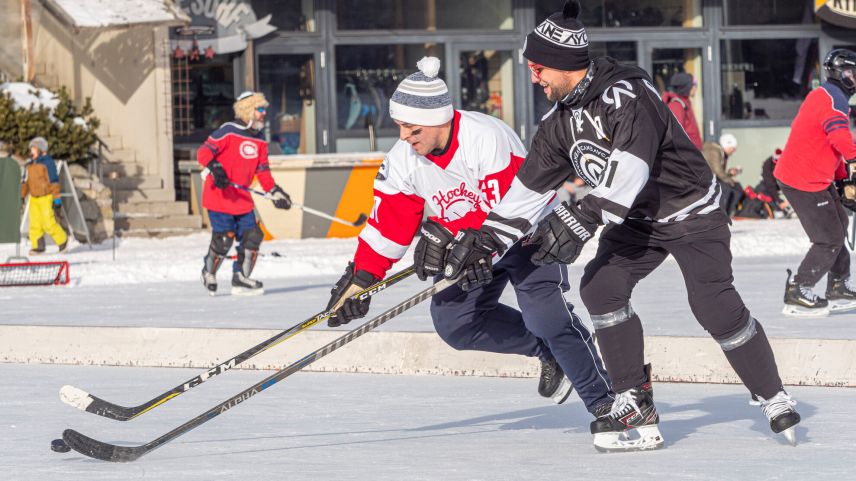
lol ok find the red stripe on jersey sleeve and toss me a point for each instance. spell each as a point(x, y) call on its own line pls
point(495, 185)
point(397, 216)
point(366, 259)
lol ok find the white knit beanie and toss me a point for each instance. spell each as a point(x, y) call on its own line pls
point(422, 98)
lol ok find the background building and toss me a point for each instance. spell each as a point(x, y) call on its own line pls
point(329, 66)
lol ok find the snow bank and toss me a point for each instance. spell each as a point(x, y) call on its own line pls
point(141, 260)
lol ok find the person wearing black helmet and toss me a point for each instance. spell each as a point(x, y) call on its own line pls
point(818, 166)
point(656, 195)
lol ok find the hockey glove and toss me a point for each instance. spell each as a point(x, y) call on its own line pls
point(280, 199)
point(847, 193)
point(561, 235)
point(348, 309)
point(851, 169)
point(218, 173)
point(470, 259)
point(429, 257)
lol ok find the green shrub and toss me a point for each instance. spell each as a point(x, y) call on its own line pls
point(70, 130)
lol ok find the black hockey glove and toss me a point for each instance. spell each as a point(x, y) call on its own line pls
point(470, 259)
point(348, 309)
point(280, 199)
point(429, 257)
point(218, 173)
point(847, 193)
point(561, 235)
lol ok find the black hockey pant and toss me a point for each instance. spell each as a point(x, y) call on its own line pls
point(476, 320)
point(825, 221)
point(705, 261)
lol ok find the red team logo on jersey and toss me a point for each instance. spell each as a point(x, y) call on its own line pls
point(248, 149)
point(456, 203)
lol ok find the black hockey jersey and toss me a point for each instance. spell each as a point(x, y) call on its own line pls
point(620, 138)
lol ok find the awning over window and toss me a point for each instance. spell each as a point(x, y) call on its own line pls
point(117, 13)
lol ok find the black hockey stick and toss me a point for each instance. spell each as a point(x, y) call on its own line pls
point(111, 452)
point(361, 219)
point(83, 400)
point(851, 230)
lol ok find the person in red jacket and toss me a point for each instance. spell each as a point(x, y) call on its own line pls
point(819, 150)
point(682, 86)
point(236, 153)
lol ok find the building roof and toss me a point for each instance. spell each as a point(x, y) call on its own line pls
point(117, 13)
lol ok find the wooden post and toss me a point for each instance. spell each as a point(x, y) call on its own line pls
point(29, 64)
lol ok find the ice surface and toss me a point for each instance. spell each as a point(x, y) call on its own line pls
point(316, 426)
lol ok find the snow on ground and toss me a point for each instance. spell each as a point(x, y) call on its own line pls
point(315, 426)
point(155, 282)
point(140, 260)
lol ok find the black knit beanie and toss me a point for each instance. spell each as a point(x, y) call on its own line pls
point(560, 42)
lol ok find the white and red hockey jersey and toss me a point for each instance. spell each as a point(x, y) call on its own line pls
point(457, 188)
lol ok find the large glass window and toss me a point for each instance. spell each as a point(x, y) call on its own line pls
point(424, 14)
point(287, 15)
point(487, 83)
point(203, 92)
point(766, 79)
point(288, 83)
point(629, 13)
point(768, 12)
point(367, 75)
point(624, 52)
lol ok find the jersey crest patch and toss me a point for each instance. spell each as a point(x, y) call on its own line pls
point(456, 203)
point(248, 150)
point(589, 160)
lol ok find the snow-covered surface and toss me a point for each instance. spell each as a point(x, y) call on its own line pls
point(28, 96)
point(140, 260)
point(107, 13)
point(375, 427)
point(155, 282)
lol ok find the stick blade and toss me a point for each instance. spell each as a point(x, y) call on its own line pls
point(361, 220)
point(100, 450)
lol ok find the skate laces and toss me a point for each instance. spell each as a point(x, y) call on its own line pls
point(623, 404)
point(808, 293)
point(548, 371)
point(777, 405)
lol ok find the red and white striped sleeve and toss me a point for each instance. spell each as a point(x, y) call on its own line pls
point(394, 221)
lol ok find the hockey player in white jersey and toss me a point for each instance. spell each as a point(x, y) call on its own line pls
point(454, 165)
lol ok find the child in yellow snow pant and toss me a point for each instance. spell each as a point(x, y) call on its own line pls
point(42, 221)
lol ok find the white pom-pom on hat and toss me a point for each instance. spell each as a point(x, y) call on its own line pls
point(430, 66)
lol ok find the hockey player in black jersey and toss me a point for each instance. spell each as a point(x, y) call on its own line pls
point(655, 195)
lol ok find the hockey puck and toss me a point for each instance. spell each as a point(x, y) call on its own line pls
point(59, 446)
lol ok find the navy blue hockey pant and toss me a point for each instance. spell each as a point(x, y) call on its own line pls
point(476, 320)
point(239, 224)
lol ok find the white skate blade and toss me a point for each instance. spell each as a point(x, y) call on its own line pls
point(791, 435)
point(841, 305)
point(791, 310)
point(649, 438)
point(243, 291)
point(563, 392)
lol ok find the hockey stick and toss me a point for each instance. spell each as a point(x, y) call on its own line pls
point(111, 452)
point(360, 220)
point(87, 402)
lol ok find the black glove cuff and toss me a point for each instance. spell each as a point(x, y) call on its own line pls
point(575, 221)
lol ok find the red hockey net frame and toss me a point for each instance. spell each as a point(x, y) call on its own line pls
point(20, 274)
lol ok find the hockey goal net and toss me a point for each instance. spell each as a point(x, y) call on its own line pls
point(34, 274)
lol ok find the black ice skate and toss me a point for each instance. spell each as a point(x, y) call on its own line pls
point(632, 410)
point(801, 301)
point(840, 295)
point(783, 417)
point(209, 280)
point(553, 383)
point(244, 286)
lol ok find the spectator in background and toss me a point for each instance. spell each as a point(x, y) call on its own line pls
point(41, 181)
point(682, 86)
point(768, 185)
point(573, 189)
point(717, 155)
